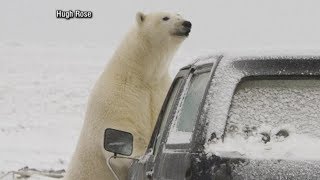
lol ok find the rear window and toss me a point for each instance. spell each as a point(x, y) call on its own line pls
point(272, 119)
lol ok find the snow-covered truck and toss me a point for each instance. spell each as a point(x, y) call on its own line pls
point(235, 116)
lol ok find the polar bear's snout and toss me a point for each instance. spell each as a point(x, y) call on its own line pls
point(187, 26)
point(184, 29)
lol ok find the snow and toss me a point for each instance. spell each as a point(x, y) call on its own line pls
point(295, 147)
point(218, 96)
point(261, 109)
point(179, 137)
point(43, 92)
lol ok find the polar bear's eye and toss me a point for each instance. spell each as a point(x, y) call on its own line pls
point(166, 18)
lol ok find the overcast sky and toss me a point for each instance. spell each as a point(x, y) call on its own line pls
point(216, 24)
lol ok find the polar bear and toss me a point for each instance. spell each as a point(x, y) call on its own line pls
point(129, 93)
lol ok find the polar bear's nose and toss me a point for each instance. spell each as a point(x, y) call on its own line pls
point(187, 24)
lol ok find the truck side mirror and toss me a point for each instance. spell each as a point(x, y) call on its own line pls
point(118, 142)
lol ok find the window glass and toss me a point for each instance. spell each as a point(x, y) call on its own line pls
point(273, 119)
point(192, 101)
point(166, 113)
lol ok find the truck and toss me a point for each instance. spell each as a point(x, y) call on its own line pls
point(235, 116)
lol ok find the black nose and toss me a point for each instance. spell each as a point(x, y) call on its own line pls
point(187, 24)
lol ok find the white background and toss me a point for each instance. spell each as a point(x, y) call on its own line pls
point(217, 24)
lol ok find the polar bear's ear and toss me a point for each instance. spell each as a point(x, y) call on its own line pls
point(140, 17)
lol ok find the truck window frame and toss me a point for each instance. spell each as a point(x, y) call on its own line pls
point(196, 71)
point(182, 74)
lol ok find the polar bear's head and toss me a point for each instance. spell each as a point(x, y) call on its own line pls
point(161, 26)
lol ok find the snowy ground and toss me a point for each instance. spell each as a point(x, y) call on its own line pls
point(43, 95)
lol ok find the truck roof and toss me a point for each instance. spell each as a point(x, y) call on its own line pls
point(255, 55)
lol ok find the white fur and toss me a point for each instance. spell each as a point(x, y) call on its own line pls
point(128, 95)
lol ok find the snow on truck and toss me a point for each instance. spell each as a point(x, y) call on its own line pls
point(248, 116)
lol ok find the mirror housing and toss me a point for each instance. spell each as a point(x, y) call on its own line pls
point(118, 142)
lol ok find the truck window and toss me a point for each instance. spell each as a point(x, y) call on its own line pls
point(190, 107)
point(167, 110)
point(187, 113)
point(273, 119)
